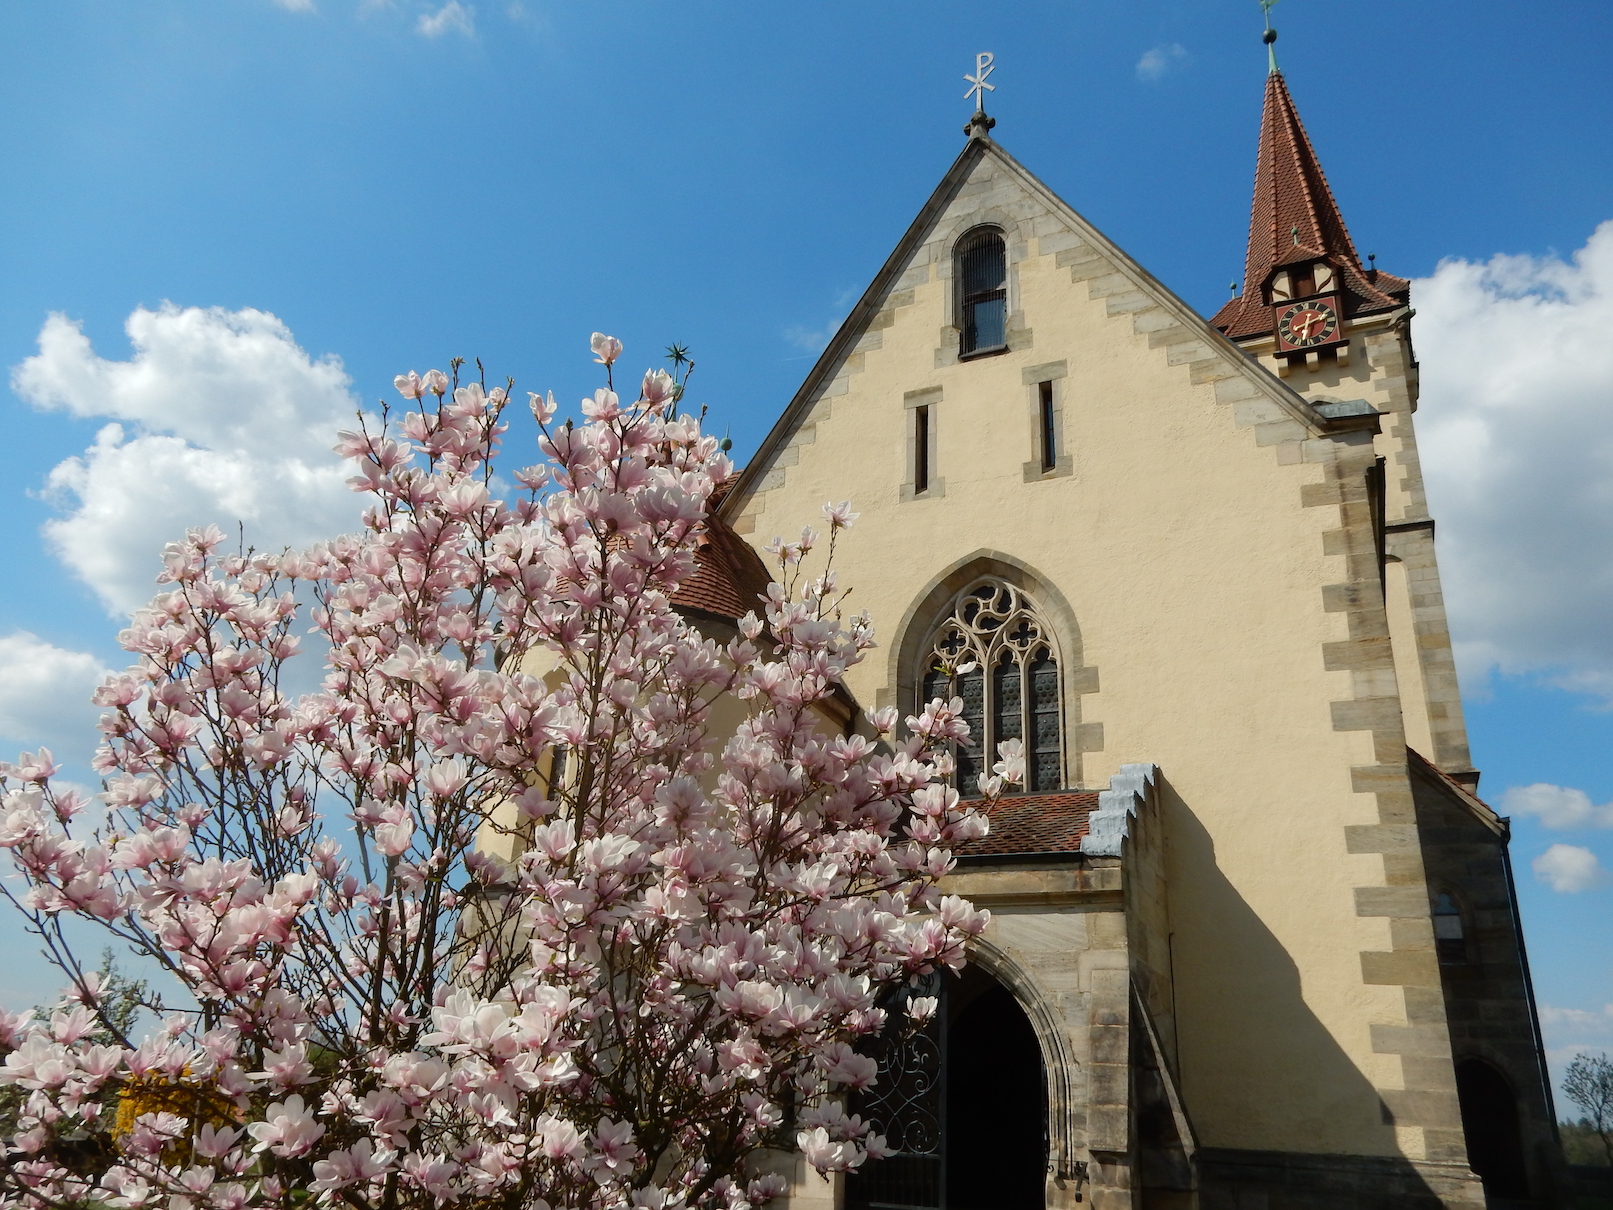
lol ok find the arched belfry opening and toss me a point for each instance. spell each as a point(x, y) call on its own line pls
point(963, 1103)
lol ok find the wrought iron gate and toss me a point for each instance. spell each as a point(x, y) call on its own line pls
point(907, 1104)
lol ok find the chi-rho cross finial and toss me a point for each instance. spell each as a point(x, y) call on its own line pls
point(978, 88)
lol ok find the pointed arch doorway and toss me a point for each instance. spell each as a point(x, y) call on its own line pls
point(962, 1102)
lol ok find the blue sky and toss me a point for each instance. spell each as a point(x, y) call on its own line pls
point(399, 182)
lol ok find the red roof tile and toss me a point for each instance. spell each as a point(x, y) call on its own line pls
point(729, 577)
point(1462, 791)
point(1294, 218)
point(1035, 823)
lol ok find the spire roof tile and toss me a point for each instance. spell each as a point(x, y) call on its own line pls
point(1295, 218)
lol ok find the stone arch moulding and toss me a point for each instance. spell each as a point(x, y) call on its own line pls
point(1016, 235)
point(1075, 678)
point(1058, 1063)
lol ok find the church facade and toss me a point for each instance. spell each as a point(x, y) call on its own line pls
point(1254, 937)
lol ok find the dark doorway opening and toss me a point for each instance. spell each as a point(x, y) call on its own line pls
point(996, 1155)
point(1490, 1122)
point(963, 1103)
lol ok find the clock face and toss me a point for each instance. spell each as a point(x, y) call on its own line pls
point(1302, 325)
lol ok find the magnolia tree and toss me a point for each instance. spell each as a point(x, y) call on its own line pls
point(670, 974)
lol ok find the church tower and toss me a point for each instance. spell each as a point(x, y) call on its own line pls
point(1254, 940)
point(1331, 327)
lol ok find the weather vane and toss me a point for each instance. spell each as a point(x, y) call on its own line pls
point(978, 88)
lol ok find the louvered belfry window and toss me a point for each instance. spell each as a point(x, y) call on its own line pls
point(982, 277)
point(993, 650)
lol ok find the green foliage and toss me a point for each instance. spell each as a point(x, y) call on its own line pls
point(1582, 1144)
point(1589, 1084)
point(122, 1001)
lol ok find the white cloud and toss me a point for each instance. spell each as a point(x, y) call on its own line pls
point(1161, 60)
point(1569, 868)
point(815, 340)
point(45, 696)
point(1517, 448)
point(296, 6)
point(219, 418)
point(453, 16)
point(1572, 1031)
point(1557, 806)
point(1577, 1020)
point(812, 340)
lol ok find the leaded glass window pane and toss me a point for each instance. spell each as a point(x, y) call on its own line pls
point(972, 689)
point(1007, 707)
point(1042, 765)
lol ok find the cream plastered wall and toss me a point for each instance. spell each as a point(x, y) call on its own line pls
point(1207, 590)
point(1382, 370)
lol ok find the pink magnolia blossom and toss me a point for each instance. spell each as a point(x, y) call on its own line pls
point(840, 515)
point(435, 924)
point(288, 1129)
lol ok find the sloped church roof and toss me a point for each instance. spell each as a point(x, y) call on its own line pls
point(730, 579)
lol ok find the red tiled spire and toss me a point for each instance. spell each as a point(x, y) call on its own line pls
point(1295, 219)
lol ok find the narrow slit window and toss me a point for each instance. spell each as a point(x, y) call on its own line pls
point(921, 450)
point(1050, 455)
point(982, 276)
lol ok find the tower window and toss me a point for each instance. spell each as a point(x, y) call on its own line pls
point(1302, 281)
point(1044, 394)
point(1450, 933)
point(982, 280)
point(994, 652)
point(921, 449)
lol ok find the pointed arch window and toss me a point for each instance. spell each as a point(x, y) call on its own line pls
point(981, 274)
point(1010, 688)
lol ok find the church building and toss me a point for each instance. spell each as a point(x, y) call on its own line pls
point(1254, 941)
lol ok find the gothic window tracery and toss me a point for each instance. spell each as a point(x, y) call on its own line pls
point(993, 650)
